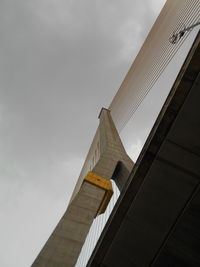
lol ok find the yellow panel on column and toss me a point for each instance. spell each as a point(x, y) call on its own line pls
point(102, 183)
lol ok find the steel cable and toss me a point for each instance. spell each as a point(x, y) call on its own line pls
point(189, 15)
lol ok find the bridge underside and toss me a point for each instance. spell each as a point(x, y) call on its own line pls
point(156, 220)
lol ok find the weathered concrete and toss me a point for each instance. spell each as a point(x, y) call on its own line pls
point(91, 197)
point(114, 162)
point(64, 245)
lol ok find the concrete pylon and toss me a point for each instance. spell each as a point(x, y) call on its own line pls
point(64, 245)
point(113, 163)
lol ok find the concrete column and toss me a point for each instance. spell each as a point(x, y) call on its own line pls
point(64, 245)
point(113, 163)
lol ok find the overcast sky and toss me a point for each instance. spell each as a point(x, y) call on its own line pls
point(61, 61)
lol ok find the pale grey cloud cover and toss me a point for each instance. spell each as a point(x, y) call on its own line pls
point(61, 61)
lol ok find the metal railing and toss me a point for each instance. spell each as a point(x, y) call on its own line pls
point(95, 230)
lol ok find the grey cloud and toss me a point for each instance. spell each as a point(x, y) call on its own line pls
point(61, 61)
point(53, 72)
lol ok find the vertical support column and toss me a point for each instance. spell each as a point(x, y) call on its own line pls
point(90, 199)
point(113, 163)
